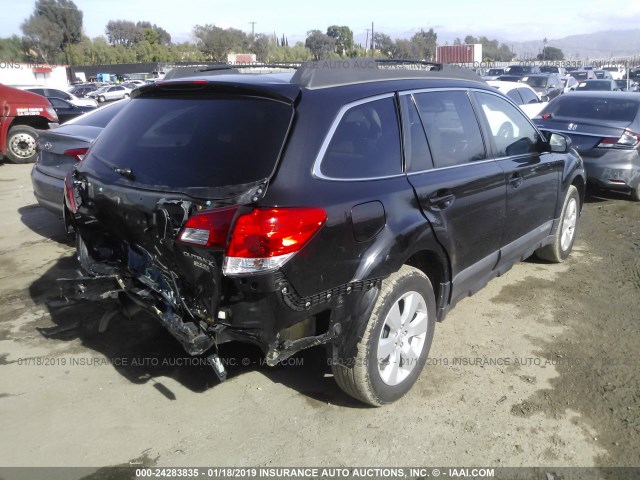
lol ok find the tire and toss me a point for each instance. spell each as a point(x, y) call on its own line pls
point(21, 144)
point(635, 193)
point(565, 235)
point(101, 99)
point(379, 382)
point(126, 95)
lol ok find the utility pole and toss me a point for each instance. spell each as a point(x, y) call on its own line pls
point(372, 50)
point(366, 43)
point(253, 25)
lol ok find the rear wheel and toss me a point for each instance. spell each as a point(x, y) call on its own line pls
point(635, 193)
point(396, 341)
point(21, 144)
point(126, 95)
point(565, 234)
point(101, 99)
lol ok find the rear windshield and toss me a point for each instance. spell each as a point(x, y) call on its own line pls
point(595, 85)
point(99, 117)
point(196, 141)
point(616, 109)
point(518, 69)
point(496, 71)
point(610, 69)
point(580, 75)
point(548, 69)
point(539, 82)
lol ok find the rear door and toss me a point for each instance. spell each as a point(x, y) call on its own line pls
point(531, 176)
point(459, 189)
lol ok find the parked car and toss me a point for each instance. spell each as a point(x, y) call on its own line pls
point(569, 84)
point(522, 95)
point(617, 72)
point(328, 229)
point(583, 75)
point(82, 90)
point(60, 149)
point(110, 92)
point(494, 73)
point(605, 85)
point(56, 93)
point(603, 75)
point(604, 127)
point(627, 86)
point(522, 70)
point(509, 78)
point(561, 72)
point(545, 85)
point(130, 85)
point(66, 111)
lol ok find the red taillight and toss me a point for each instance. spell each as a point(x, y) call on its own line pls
point(547, 116)
point(272, 232)
point(209, 228)
point(69, 196)
point(261, 240)
point(628, 139)
point(77, 153)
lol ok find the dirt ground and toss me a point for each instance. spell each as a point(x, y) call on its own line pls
point(542, 367)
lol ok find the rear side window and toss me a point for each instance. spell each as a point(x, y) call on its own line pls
point(366, 143)
point(616, 109)
point(182, 142)
point(512, 132)
point(528, 96)
point(451, 126)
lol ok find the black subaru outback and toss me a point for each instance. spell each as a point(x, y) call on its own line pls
point(350, 204)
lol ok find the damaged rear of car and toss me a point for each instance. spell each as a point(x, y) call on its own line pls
point(159, 200)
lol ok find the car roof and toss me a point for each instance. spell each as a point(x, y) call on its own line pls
point(316, 76)
point(604, 95)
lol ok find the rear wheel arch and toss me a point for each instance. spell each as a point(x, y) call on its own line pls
point(435, 268)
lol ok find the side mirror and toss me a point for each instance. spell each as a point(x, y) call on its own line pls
point(558, 143)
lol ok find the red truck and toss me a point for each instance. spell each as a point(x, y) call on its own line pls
point(21, 113)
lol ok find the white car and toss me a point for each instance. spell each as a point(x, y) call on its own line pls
point(55, 93)
point(618, 72)
point(110, 92)
point(570, 84)
point(522, 95)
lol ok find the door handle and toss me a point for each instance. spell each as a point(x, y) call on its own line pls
point(441, 201)
point(516, 180)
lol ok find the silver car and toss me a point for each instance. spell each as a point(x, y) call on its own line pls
point(110, 92)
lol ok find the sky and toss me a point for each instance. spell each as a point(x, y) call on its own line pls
point(506, 20)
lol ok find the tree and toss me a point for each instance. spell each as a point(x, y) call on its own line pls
point(343, 39)
point(216, 43)
point(384, 44)
point(12, 49)
point(402, 49)
point(492, 50)
point(321, 45)
point(423, 44)
point(551, 53)
point(263, 45)
point(123, 32)
point(53, 26)
point(163, 37)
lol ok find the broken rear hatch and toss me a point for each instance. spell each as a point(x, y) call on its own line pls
point(175, 151)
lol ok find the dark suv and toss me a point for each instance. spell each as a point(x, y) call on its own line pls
point(350, 204)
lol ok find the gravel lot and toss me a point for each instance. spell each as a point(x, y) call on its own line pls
point(542, 367)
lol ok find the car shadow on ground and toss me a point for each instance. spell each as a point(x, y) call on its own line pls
point(142, 351)
point(600, 196)
point(45, 223)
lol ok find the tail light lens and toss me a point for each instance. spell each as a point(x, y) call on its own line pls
point(77, 153)
point(628, 139)
point(209, 228)
point(264, 239)
point(69, 195)
point(52, 113)
point(261, 240)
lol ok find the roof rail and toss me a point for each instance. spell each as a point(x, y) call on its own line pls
point(228, 69)
point(332, 73)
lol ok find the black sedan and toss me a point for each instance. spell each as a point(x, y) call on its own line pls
point(605, 129)
point(66, 111)
point(59, 149)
